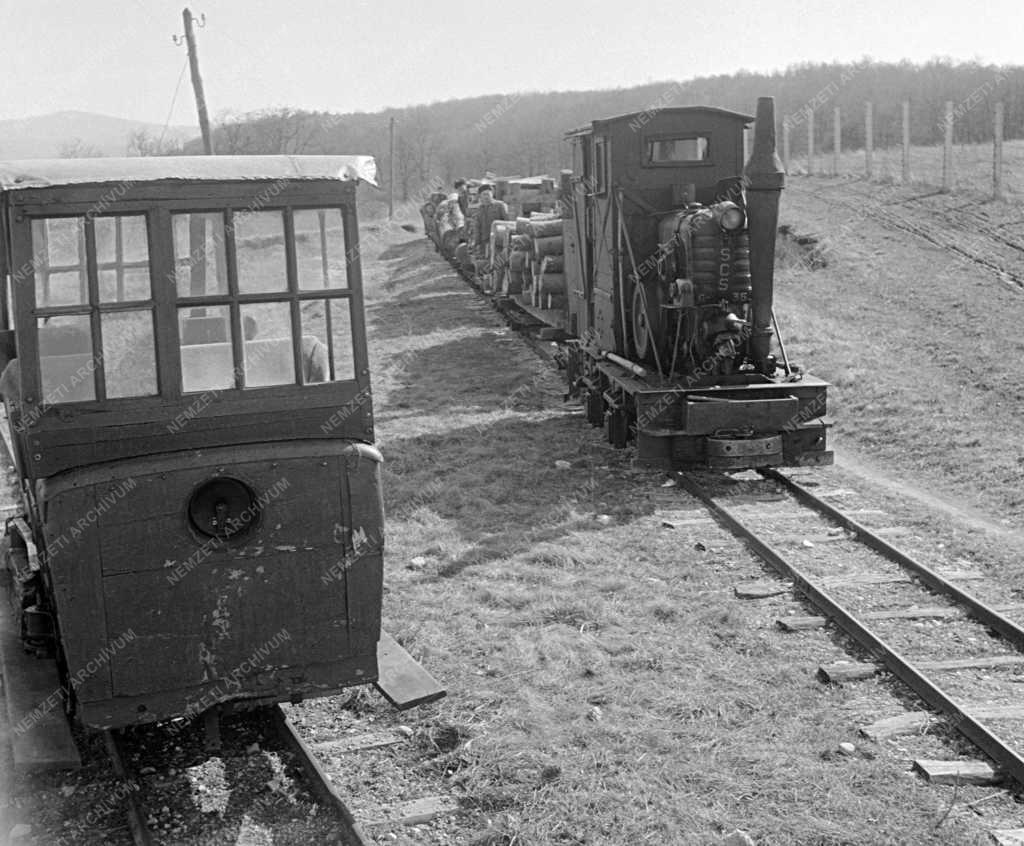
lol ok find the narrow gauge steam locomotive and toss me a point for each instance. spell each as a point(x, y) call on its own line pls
point(665, 286)
point(190, 416)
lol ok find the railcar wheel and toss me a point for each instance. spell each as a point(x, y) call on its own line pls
point(648, 317)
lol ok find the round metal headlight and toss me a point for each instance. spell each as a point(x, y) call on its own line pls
point(732, 218)
point(223, 508)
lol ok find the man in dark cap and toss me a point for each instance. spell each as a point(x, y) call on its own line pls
point(489, 211)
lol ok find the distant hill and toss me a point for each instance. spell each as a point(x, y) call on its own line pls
point(51, 135)
point(521, 133)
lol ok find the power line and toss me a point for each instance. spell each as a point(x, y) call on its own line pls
point(174, 99)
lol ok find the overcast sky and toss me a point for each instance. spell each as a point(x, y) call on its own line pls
point(117, 58)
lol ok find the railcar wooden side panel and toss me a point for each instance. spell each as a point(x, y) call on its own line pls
point(172, 610)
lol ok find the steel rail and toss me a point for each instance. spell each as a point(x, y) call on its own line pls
point(319, 780)
point(140, 834)
point(981, 612)
point(984, 738)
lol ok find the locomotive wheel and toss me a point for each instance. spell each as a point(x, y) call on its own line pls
point(647, 319)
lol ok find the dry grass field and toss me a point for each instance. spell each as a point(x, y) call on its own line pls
point(972, 167)
point(606, 685)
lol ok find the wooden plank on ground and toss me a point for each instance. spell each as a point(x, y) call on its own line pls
point(976, 773)
point(799, 623)
point(762, 590)
point(414, 812)
point(401, 680)
point(39, 732)
point(844, 671)
point(358, 742)
point(1008, 836)
point(912, 722)
point(896, 578)
point(995, 712)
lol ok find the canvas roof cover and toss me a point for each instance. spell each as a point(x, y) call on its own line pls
point(48, 173)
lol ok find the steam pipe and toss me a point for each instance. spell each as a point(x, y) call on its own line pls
point(765, 180)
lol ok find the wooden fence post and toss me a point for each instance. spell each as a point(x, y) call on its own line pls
point(785, 146)
point(997, 155)
point(869, 139)
point(947, 150)
point(906, 142)
point(810, 142)
point(837, 140)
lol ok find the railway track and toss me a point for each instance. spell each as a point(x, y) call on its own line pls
point(355, 770)
point(914, 621)
point(961, 650)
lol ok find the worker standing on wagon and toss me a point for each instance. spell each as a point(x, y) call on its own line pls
point(451, 224)
point(490, 210)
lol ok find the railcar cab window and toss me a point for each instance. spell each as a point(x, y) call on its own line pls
point(94, 308)
point(694, 149)
point(262, 298)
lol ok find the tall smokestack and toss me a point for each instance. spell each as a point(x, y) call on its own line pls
point(765, 180)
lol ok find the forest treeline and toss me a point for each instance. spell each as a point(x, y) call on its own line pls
point(522, 133)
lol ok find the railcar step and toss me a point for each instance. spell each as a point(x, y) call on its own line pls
point(401, 680)
point(39, 732)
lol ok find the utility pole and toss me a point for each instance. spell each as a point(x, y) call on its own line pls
point(391, 170)
point(197, 80)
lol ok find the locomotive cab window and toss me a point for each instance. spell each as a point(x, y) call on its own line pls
point(263, 298)
point(94, 308)
point(693, 149)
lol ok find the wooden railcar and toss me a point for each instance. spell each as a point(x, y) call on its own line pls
point(190, 414)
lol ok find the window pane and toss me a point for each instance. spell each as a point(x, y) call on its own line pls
point(199, 258)
point(341, 330)
point(129, 355)
point(319, 248)
point(259, 249)
point(66, 363)
point(206, 359)
point(678, 150)
point(58, 257)
point(269, 357)
point(122, 256)
point(315, 366)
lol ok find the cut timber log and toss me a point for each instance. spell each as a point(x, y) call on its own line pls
point(553, 246)
point(546, 228)
point(976, 773)
point(550, 283)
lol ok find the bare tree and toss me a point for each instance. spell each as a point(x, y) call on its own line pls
point(142, 143)
point(76, 148)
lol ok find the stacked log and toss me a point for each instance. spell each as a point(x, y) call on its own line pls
point(501, 235)
point(527, 259)
point(547, 262)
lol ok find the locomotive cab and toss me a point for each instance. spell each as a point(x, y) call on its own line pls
point(191, 419)
point(669, 264)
